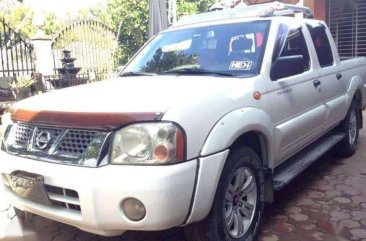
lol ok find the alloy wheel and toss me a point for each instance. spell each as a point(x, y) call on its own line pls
point(240, 202)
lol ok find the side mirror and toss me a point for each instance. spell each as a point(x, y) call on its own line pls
point(287, 66)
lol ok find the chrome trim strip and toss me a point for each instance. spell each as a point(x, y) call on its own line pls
point(91, 157)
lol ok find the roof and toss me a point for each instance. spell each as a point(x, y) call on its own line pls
point(260, 10)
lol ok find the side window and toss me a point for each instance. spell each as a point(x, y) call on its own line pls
point(322, 45)
point(291, 56)
point(296, 46)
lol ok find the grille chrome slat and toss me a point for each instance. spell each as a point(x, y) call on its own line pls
point(59, 145)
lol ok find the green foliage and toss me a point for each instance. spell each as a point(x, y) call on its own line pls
point(189, 7)
point(204, 5)
point(23, 81)
point(52, 24)
point(134, 15)
point(19, 18)
point(186, 8)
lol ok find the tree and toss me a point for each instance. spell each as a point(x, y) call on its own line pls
point(52, 24)
point(131, 18)
point(189, 7)
point(19, 18)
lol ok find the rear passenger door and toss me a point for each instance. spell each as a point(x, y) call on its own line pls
point(295, 101)
point(333, 85)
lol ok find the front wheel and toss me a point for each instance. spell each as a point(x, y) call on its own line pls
point(238, 205)
point(350, 127)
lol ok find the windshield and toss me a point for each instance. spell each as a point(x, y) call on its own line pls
point(231, 49)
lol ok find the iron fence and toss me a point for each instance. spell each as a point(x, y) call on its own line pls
point(16, 53)
point(52, 82)
point(93, 44)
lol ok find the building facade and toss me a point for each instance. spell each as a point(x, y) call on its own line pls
point(345, 18)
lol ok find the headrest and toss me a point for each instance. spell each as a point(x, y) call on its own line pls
point(241, 44)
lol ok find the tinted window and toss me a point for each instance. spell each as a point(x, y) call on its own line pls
point(322, 45)
point(291, 56)
point(231, 48)
point(296, 45)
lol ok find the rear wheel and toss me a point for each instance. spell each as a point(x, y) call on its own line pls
point(350, 127)
point(238, 206)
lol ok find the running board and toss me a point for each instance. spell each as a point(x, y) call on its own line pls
point(297, 164)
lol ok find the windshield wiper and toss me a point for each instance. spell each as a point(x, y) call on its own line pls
point(137, 74)
point(196, 71)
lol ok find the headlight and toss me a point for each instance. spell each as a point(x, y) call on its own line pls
point(148, 143)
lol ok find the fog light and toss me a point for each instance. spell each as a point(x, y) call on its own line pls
point(134, 209)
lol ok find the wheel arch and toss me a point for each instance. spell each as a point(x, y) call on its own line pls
point(248, 126)
point(243, 127)
point(255, 140)
point(357, 93)
point(358, 99)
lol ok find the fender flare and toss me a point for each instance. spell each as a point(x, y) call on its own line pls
point(236, 123)
point(356, 84)
point(215, 152)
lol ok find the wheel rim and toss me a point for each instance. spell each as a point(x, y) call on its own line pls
point(352, 131)
point(240, 202)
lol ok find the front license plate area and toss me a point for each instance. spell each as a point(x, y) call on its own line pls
point(29, 186)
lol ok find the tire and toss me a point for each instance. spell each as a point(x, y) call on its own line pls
point(244, 209)
point(350, 127)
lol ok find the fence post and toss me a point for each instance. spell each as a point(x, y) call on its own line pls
point(43, 54)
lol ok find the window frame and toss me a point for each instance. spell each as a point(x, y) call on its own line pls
point(279, 41)
point(327, 44)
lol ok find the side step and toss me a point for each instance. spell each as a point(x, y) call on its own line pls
point(297, 164)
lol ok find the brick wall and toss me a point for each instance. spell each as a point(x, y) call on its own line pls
point(318, 6)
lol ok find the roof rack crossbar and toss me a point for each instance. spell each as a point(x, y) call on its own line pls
point(291, 7)
point(272, 9)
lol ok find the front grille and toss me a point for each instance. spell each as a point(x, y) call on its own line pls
point(63, 198)
point(76, 142)
point(67, 146)
point(22, 134)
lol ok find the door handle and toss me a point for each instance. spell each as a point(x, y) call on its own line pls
point(317, 83)
point(339, 76)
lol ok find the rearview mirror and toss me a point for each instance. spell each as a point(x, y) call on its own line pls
point(287, 66)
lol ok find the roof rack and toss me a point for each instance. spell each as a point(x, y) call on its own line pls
point(260, 10)
point(282, 9)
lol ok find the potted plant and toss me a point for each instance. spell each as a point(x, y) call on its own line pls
point(21, 87)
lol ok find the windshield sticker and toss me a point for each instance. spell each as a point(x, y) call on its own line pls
point(241, 65)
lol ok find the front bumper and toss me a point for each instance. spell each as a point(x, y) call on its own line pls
point(166, 192)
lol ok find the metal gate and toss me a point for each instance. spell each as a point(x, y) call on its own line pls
point(347, 22)
point(93, 44)
point(16, 56)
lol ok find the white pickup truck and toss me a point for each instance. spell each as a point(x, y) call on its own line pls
point(203, 124)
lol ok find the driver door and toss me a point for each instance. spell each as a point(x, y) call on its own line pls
point(297, 112)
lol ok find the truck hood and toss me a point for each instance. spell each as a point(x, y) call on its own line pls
point(113, 103)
